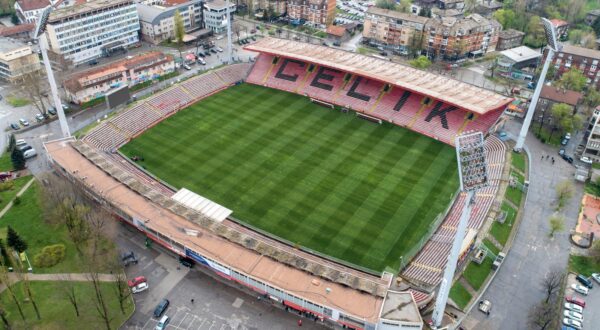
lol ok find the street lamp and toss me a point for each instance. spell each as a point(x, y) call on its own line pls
point(553, 46)
point(39, 34)
point(472, 172)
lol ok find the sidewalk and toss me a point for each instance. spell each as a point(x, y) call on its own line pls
point(21, 192)
point(77, 277)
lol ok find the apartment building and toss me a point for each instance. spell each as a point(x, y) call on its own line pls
point(592, 146)
point(319, 13)
point(394, 30)
point(584, 59)
point(94, 83)
point(28, 10)
point(157, 21)
point(258, 7)
point(510, 38)
point(551, 95)
point(451, 38)
point(215, 15)
point(92, 29)
point(16, 59)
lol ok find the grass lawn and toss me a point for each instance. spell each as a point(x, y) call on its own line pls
point(16, 101)
point(7, 195)
point(518, 161)
point(514, 195)
point(476, 274)
point(26, 218)
point(5, 163)
point(58, 313)
point(501, 231)
point(357, 191)
point(518, 176)
point(491, 246)
point(545, 135)
point(460, 295)
point(583, 265)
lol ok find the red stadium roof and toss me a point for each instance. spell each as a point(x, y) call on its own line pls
point(451, 91)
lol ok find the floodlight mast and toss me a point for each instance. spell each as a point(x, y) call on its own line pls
point(553, 47)
point(472, 172)
point(43, 44)
point(228, 32)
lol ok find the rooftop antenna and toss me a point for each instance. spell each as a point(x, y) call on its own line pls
point(472, 172)
point(39, 34)
point(552, 47)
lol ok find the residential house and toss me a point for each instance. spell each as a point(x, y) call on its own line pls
point(510, 38)
point(94, 83)
point(551, 95)
point(393, 30)
point(319, 13)
point(584, 59)
point(562, 28)
point(16, 60)
point(21, 32)
point(337, 34)
point(28, 10)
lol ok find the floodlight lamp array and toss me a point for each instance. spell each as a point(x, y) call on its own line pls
point(472, 166)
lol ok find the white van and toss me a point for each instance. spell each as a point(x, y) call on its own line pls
point(29, 153)
point(20, 142)
point(162, 324)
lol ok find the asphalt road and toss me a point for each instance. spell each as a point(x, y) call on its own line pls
point(518, 284)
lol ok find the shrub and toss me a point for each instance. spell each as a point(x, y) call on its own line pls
point(8, 185)
point(17, 201)
point(50, 256)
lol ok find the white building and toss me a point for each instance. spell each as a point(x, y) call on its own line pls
point(16, 59)
point(157, 18)
point(215, 15)
point(592, 146)
point(92, 29)
point(28, 10)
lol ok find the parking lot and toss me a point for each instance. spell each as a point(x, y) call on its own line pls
point(216, 306)
point(591, 317)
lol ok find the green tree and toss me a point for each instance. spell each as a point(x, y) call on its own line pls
point(564, 192)
point(573, 80)
point(179, 31)
point(592, 98)
point(15, 241)
point(421, 62)
point(557, 224)
point(404, 6)
point(564, 118)
point(425, 12)
point(386, 4)
point(18, 161)
point(12, 143)
point(506, 17)
point(535, 36)
point(596, 26)
point(575, 36)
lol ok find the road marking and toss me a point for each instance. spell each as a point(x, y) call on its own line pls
point(148, 264)
point(183, 319)
point(238, 303)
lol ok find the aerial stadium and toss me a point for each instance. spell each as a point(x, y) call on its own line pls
point(317, 177)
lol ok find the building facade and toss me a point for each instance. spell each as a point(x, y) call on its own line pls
point(584, 59)
point(510, 38)
point(592, 146)
point(94, 83)
point(16, 59)
point(449, 38)
point(562, 28)
point(21, 31)
point(319, 13)
point(157, 21)
point(92, 29)
point(28, 10)
point(518, 63)
point(394, 30)
point(551, 95)
point(215, 15)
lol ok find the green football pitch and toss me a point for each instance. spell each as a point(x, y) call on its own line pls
point(329, 181)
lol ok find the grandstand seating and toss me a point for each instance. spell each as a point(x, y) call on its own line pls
point(402, 107)
point(427, 268)
point(171, 100)
point(106, 137)
point(136, 119)
point(209, 83)
point(234, 73)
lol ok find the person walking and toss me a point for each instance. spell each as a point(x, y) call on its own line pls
point(192, 301)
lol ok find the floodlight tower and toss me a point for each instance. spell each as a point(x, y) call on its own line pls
point(228, 32)
point(472, 172)
point(553, 47)
point(39, 34)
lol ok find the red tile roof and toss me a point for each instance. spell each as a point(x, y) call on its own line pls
point(336, 30)
point(27, 5)
point(7, 31)
point(556, 94)
point(558, 22)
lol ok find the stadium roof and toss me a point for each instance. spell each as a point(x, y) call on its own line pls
point(85, 164)
point(448, 90)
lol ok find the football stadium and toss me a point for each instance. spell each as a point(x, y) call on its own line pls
point(314, 176)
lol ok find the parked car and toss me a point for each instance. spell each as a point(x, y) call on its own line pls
point(499, 259)
point(561, 152)
point(596, 277)
point(133, 282)
point(575, 300)
point(15, 126)
point(572, 323)
point(187, 262)
point(485, 306)
point(580, 289)
point(187, 67)
point(140, 287)
point(23, 147)
point(569, 159)
point(161, 307)
point(29, 153)
point(573, 315)
point(573, 307)
point(219, 49)
point(585, 281)
point(93, 62)
point(39, 117)
point(24, 122)
point(20, 142)
point(586, 160)
point(212, 50)
point(564, 142)
point(52, 111)
point(162, 324)
point(201, 61)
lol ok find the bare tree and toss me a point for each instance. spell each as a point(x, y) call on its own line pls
point(541, 316)
point(99, 301)
point(31, 85)
point(6, 281)
point(552, 283)
point(68, 288)
point(237, 29)
point(120, 284)
point(4, 319)
point(24, 278)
